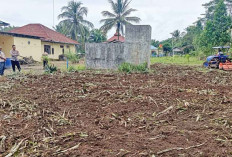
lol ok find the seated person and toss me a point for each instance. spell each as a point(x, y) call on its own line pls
point(220, 53)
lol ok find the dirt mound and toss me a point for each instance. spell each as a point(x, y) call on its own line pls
point(175, 111)
point(27, 60)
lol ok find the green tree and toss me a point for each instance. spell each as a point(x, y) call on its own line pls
point(216, 32)
point(167, 47)
point(211, 7)
point(7, 29)
point(187, 40)
point(119, 17)
point(176, 34)
point(97, 36)
point(61, 28)
point(74, 23)
point(155, 43)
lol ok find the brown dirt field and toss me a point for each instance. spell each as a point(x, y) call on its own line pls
point(173, 111)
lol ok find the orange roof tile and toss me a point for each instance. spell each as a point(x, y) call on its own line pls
point(115, 38)
point(45, 33)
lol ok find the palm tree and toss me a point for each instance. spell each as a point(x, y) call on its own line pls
point(119, 17)
point(73, 21)
point(176, 34)
point(4, 23)
point(61, 29)
point(97, 36)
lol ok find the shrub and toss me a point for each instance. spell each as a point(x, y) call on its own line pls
point(45, 58)
point(187, 57)
point(130, 68)
point(71, 69)
point(50, 69)
point(74, 58)
point(76, 68)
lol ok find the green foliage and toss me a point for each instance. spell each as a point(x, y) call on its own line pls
point(73, 57)
point(76, 68)
point(119, 17)
point(73, 22)
point(7, 28)
point(61, 28)
point(49, 69)
point(167, 47)
point(130, 68)
point(184, 60)
point(155, 43)
point(216, 30)
point(97, 36)
point(187, 57)
point(45, 58)
point(215, 33)
point(211, 7)
point(176, 34)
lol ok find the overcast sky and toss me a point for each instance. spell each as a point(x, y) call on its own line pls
point(164, 16)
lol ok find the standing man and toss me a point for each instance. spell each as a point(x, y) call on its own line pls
point(2, 62)
point(45, 59)
point(14, 58)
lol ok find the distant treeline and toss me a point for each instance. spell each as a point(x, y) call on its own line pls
point(214, 29)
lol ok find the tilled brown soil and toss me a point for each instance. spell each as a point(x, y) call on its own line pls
point(173, 111)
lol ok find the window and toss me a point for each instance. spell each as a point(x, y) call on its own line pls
point(53, 51)
point(29, 42)
point(67, 46)
point(62, 47)
point(47, 48)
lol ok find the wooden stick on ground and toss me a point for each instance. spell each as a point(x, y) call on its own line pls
point(171, 149)
point(14, 149)
point(165, 111)
point(2, 144)
point(69, 149)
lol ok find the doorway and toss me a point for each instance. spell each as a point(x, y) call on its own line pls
point(47, 48)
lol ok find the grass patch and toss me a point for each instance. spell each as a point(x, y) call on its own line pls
point(130, 68)
point(185, 60)
point(76, 68)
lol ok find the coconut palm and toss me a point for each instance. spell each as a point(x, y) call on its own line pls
point(73, 20)
point(4, 23)
point(176, 34)
point(97, 36)
point(61, 29)
point(119, 16)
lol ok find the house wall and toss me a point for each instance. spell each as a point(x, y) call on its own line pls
point(6, 43)
point(29, 47)
point(57, 49)
point(32, 47)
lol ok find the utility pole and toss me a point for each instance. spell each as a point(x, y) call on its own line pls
point(119, 11)
point(53, 13)
point(172, 45)
point(118, 30)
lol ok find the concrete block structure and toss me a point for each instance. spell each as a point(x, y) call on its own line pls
point(135, 49)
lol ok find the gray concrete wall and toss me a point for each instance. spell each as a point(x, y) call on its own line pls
point(104, 55)
point(138, 33)
point(135, 50)
point(137, 44)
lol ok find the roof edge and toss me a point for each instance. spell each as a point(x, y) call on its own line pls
point(20, 35)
